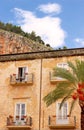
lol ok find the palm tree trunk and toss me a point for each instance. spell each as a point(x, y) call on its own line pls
point(81, 103)
point(82, 121)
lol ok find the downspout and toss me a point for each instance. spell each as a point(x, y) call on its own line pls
point(40, 95)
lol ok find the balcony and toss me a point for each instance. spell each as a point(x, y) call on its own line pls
point(26, 79)
point(54, 79)
point(62, 123)
point(19, 124)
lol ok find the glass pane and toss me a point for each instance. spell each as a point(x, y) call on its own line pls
point(22, 109)
point(59, 112)
point(65, 65)
point(59, 65)
point(23, 72)
point(18, 109)
point(62, 113)
point(62, 65)
point(65, 110)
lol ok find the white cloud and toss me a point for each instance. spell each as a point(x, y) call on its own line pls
point(50, 8)
point(79, 41)
point(49, 28)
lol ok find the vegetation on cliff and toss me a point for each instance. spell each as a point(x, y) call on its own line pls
point(32, 36)
point(18, 30)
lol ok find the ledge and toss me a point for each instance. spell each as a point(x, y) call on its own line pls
point(61, 127)
point(42, 54)
point(19, 127)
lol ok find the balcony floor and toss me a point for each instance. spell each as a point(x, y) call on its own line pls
point(23, 127)
point(63, 127)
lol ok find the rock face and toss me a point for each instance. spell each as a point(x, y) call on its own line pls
point(11, 43)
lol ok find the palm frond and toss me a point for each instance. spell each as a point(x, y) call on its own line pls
point(63, 89)
point(77, 69)
point(72, 106)
point(65, 74)
point(80, 70)
point(73, 69)
point(59, 92)
point(66, 98)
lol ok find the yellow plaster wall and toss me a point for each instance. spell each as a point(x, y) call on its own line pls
point(10, 95)
point(47, 86)
point(30, 94)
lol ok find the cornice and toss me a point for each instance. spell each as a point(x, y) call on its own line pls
point(42, 54)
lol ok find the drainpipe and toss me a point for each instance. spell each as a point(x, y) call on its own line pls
point(40, 95)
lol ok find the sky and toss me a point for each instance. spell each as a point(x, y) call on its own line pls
point(58, 22)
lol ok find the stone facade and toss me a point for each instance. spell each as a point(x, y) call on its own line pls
point(31, 94)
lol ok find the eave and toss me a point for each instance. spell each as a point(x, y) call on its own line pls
point(42, 54)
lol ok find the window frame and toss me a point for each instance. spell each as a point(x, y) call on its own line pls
point(21, 77)
point(62, 65)
point(62, 119)
point(15, 114)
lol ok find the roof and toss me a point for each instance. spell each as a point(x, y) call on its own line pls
point(42, 54)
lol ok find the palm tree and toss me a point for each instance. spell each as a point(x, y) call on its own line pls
point(73, 87)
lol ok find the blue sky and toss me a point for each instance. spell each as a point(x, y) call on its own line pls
point(58, 22)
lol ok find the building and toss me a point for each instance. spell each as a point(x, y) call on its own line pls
point(25, 78)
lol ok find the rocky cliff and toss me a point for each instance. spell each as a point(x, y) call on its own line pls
point(11, 43)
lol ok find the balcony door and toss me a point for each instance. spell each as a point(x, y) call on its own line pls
point(20, 112)
point(21, 71)
point(61, 114)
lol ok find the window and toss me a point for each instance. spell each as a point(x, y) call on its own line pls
point(21, 73)
point(62, 65)
point(20, 111)
point(62, 113)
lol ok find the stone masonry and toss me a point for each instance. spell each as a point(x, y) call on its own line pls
point(11, 43)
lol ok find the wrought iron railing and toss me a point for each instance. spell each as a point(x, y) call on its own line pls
point(27, 78)
point(53, 78)
point(55, 120)
point(16, 122)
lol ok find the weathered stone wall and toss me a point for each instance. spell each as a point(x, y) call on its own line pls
point(11, 43)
